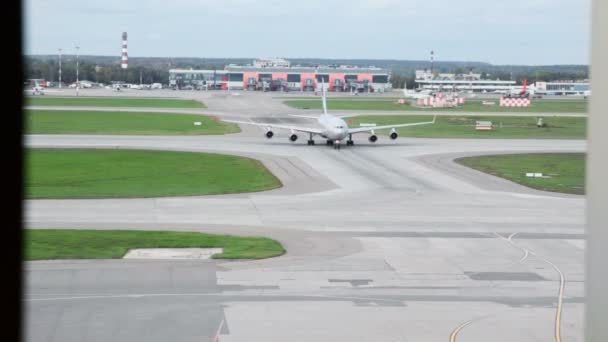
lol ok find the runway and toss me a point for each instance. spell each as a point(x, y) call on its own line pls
point(386, 242)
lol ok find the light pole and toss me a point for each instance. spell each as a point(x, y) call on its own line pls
point(77, 82)
point(59, 68)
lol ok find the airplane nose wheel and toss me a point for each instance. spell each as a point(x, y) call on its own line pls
point(337, 145)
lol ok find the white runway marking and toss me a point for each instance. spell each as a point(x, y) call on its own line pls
point(217, 334)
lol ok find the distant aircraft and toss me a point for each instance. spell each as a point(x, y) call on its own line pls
point(411, 94)
point(35, 89)
point(524, 91)
point(333, 128)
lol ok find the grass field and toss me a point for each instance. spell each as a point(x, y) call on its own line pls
point(566, 171)
point(89, 173)
point(44, 244)
point(92, 122)
point(455, 126)
point(85, 101)
point(542, 106)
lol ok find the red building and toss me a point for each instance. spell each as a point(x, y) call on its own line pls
point(284, 77)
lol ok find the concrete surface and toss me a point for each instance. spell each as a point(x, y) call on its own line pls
point(385, 242)
point(172, 253)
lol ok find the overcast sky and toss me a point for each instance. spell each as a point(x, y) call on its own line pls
point(528, 32)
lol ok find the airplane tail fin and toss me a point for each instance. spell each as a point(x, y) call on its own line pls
point(323, 94)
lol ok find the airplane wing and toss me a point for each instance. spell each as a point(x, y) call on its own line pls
point(304, 116)
point(269, 125)
point(374, 128)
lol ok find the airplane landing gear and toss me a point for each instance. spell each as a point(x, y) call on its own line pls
point(310, 141)
point(329, 142)
point(337, 145)
point(350, 143)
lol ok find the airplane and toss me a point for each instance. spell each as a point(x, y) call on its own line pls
point(333, 128)
point(35, 89)
point(520, 92)
point(411, 94)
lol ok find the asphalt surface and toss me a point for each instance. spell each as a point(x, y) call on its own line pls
point(386, 242)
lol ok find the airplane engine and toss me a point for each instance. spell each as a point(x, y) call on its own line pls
point(293, 137)
point(269, 134)
point(373, 138)
point(394, 134)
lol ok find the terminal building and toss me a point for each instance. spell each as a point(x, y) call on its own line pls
point(470, 82)
point(566, 87)
point(280, 75)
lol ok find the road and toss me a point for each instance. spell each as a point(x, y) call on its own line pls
point(386, 242)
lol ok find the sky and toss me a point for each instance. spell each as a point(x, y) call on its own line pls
point(532, 32)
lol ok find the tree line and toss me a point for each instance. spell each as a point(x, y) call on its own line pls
point(106, 73)
point(156, 70)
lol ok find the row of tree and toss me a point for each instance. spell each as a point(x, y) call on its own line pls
point(106, 70)
point(49, 70)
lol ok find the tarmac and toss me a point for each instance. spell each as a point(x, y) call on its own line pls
point(390, 241)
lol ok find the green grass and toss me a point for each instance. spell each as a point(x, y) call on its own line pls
point(455, 126)
point(92, 173)
point(542, 106)
point(44, 244)
point(92, 122)
point(85, 101)
point(566, 171)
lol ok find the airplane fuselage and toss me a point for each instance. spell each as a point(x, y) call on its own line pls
point(334, 128)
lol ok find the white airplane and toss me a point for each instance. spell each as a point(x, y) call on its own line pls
point(333, 128)
point(410, 94)
point(522, 91)
point(36, 89)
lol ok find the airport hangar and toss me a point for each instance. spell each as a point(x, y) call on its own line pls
point(288, 78)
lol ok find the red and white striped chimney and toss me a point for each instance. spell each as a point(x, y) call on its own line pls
point(124, 60)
